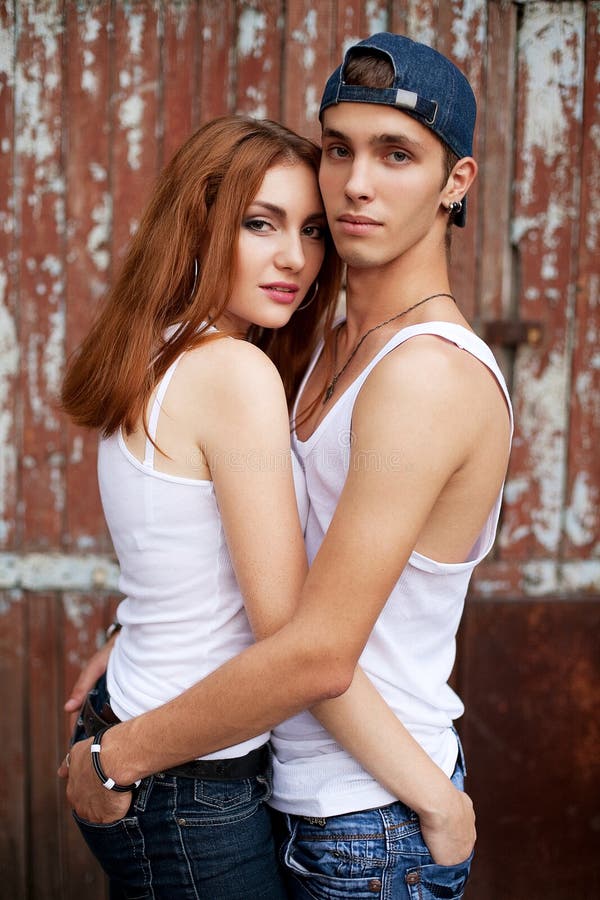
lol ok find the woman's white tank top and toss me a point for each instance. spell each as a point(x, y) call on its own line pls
point(183, 615)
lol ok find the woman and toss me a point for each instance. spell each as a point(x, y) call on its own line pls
point(195, 470)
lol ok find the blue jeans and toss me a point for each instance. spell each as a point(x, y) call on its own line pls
point(189, 839)
point(368, 854)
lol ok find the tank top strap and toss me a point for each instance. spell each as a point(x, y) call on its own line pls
point(457, 334)
point(155, 412)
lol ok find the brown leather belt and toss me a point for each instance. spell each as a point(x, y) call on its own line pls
point(249, 766)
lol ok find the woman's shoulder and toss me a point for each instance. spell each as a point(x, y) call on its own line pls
point(226, 365)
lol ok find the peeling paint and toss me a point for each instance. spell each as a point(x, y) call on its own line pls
point(542, 425)
point(465, 36)
point(9, 367)
point(99, 235)
point(551, 45)
point(131, 113)
point(305, 35)
point(547, 578)
point(7, 55)
point(58, 572)
point(514, 489)
point(419, 24)
point(376, 16)
point(33, 138)
point(312, 102)
point(581, 514)
point(252, 34)
point(135, 32)
point(258, 102)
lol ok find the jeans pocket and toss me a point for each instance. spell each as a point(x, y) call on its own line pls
point(119, 848)
point(433, 882)
point(336, 868)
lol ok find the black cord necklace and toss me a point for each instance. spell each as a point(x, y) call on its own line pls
point(337, 375)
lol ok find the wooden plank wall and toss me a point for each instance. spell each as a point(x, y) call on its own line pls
point(94, 98)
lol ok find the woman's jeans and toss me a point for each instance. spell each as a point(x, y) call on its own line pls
point(186, 838)
point(376, 853)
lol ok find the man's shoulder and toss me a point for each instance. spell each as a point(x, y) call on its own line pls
point(435, 370)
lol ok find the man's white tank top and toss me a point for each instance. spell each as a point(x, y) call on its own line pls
point(183, 615)
point(410, 653)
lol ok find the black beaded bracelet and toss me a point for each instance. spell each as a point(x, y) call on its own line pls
point(109, 783)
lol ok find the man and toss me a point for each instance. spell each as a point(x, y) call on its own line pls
point(404, 429)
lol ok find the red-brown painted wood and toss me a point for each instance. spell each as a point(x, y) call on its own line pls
point(582, 516)
point(180, 60)
point(258, 58)
point(38, 165)
point(9, 350)
point(549, 110)
point(89, 212)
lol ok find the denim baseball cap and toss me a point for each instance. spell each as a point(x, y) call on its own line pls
point(427, 86)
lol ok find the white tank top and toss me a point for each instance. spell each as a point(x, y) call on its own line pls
point(410, 652)
point(183, 615)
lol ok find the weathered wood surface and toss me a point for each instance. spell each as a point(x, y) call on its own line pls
point(94, 98)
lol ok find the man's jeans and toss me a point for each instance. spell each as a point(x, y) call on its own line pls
point(190, 839)
point(376, 853)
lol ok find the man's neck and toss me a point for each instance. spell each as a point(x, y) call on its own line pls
point(375, 294)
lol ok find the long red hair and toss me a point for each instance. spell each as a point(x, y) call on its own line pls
point(194, 214)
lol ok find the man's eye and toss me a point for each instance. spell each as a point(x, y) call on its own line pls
point(398, 156)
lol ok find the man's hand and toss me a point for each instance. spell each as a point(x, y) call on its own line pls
point(93, 669)
point(450, 836)
point(85, 792)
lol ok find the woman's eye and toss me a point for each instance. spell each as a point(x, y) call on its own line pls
point(314, 231)
point(257, 225)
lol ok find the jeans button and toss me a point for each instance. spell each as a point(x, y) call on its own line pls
point(412, 878)
point(375, 885)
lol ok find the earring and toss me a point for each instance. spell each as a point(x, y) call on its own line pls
point(455, 207)
point(196, 270)
point(314, 294)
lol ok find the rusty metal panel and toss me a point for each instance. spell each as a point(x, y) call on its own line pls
point(15, 758)
point(180, 52)
point(38, 167)
point(258, 58)
point(135, 116)
point(582, 519)
point(87, 241)
point(530, 677)
point(9, 348)
point(550, 98)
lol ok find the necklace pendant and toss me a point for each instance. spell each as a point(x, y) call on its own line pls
point(329, 392)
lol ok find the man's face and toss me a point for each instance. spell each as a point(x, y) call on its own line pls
point(381, 179)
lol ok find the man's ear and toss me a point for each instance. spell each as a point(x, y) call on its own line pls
point(460, 180)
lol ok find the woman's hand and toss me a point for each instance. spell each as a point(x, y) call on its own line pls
point(450, 833)
point(86, 794)
point(91, 672)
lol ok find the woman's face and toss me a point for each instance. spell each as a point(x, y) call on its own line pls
point(280, 249)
